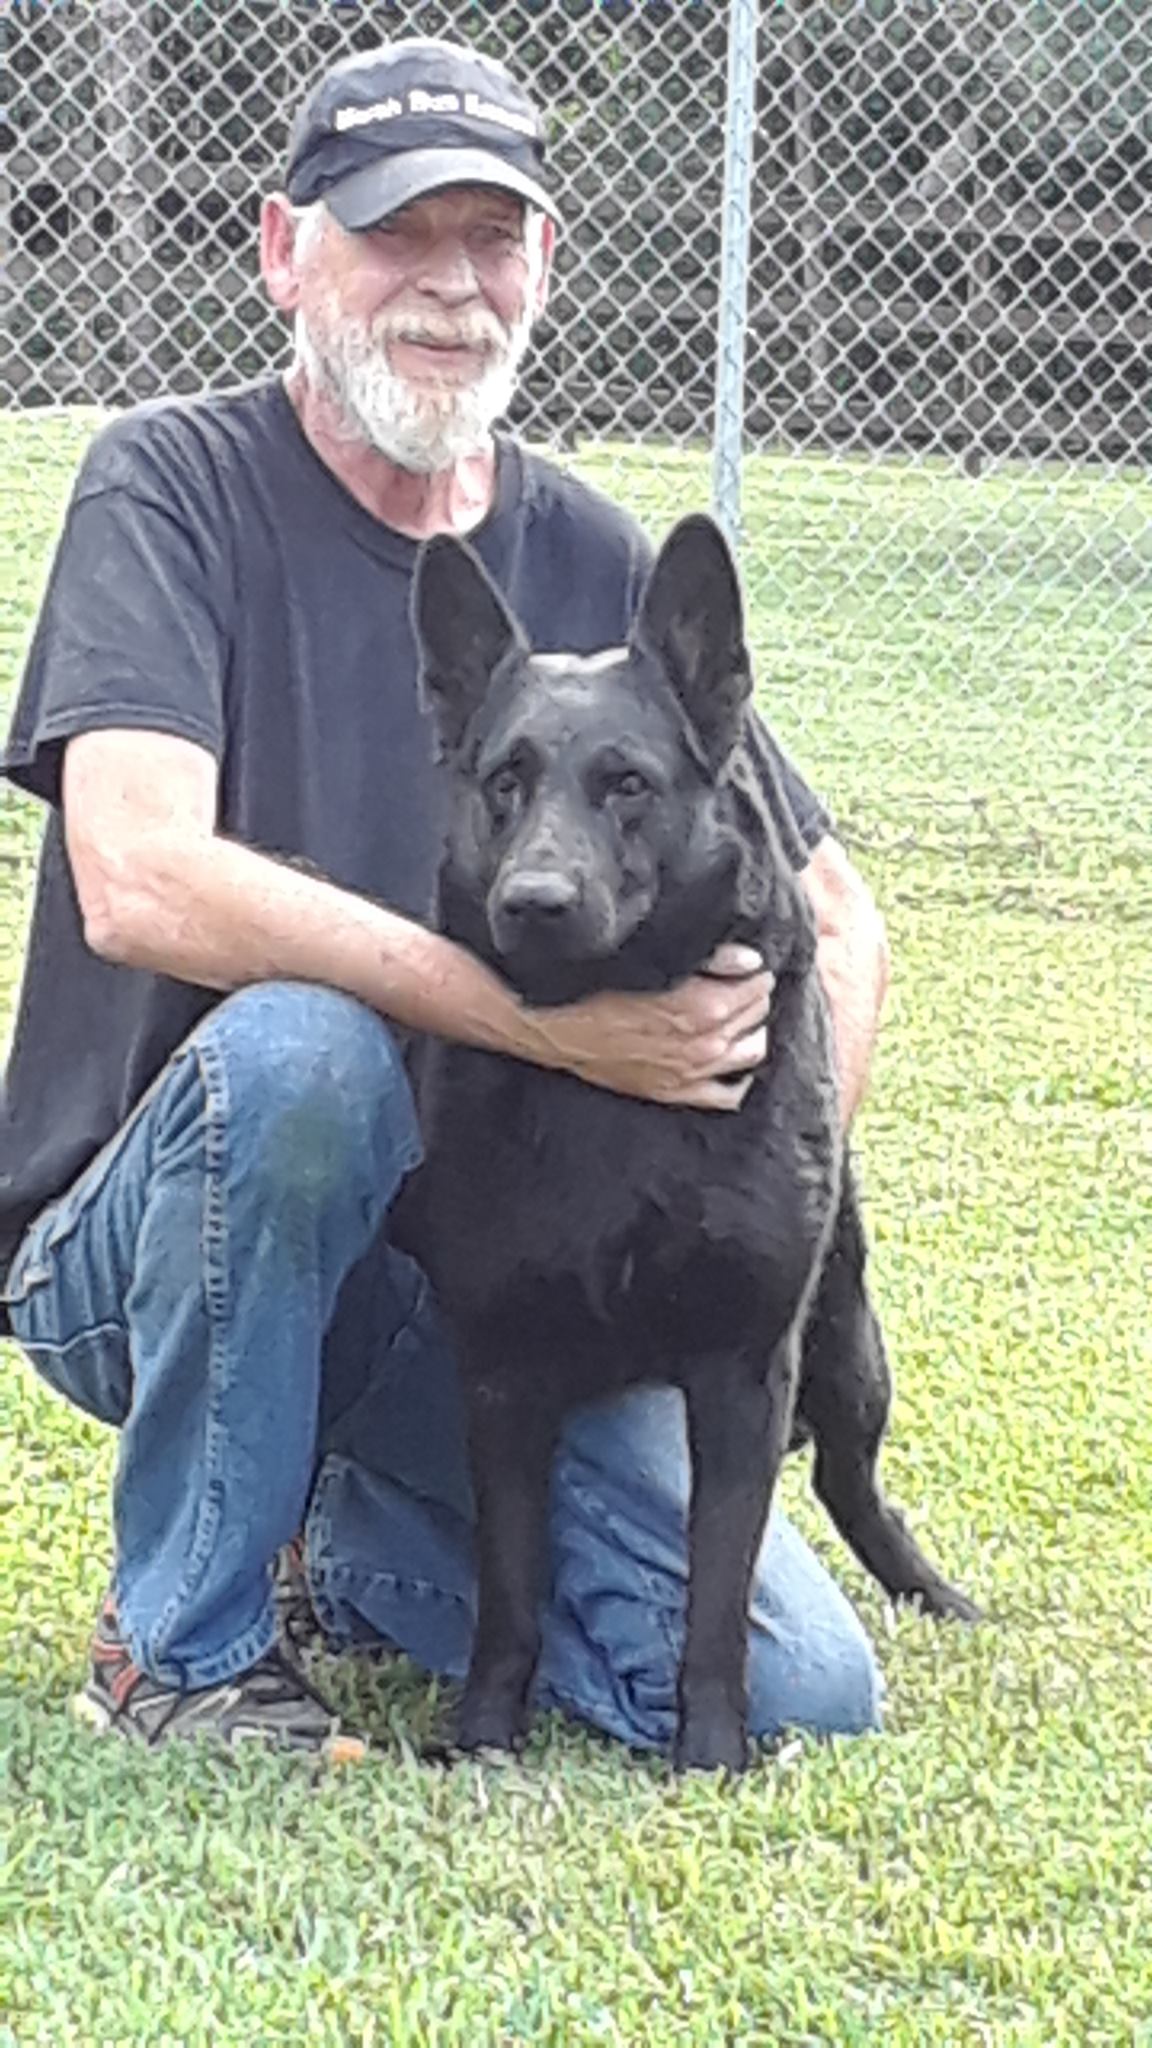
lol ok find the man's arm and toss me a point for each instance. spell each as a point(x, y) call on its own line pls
point(160, 889)
point(854, 962)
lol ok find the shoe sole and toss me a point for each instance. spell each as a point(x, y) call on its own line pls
point(92, 1714)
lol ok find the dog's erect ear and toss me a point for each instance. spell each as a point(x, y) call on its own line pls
point(692, 620)
point(464, 630)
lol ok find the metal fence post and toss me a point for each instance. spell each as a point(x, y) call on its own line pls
point(125, 44)
point(736, 236)
point(952, 255)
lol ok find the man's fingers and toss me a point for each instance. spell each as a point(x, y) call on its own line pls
point(725, 1052)
point(715, 1094)
point(727, 1007)
point(755, 1009)
point(749, 1051)
point(677, 1048)
point(733, 960)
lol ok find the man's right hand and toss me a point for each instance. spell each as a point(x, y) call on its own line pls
point(674, 1047)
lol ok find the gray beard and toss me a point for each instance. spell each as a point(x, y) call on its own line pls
point(425, 429)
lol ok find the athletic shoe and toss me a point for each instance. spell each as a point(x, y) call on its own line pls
point(272, 1702)
point(297, 1622)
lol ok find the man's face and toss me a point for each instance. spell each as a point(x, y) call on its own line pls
point(414, 329)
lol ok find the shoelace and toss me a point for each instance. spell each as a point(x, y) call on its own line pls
point(280, 1683)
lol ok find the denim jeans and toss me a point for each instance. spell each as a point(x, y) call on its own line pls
point(218, 1286)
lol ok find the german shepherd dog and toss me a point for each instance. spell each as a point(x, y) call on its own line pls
point(606, 831)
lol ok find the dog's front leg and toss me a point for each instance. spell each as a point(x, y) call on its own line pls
point(738, 1422)
point(512, 1445)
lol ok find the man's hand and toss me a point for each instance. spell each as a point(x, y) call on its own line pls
point(673, 1048)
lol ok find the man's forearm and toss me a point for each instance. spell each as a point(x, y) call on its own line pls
point(222, 915)
point(853, 959)
point(854, 990)
point(160, 888)
point(210, 911)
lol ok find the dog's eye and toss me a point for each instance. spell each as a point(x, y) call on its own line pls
point(629, 783)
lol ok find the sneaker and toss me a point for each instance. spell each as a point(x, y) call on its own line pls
point(297, 1622)
point(299, 1626)
point(272, 1702)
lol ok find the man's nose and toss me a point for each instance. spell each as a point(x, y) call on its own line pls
point(446, 272)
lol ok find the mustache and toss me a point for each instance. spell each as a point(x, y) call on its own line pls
point(474, 330)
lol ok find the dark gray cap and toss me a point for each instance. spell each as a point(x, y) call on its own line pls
point(387, 125)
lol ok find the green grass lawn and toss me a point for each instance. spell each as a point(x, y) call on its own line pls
point(966, 668)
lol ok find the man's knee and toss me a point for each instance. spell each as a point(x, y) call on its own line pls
point(811, 1663)
point(620, 1527)
point(833, 1687)
point(311, 1082)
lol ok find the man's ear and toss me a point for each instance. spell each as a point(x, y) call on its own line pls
point(278, 265)
point(464, 633)
point(691, 619)
point(546, 228)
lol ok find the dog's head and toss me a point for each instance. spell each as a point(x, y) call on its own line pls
point(589, 824)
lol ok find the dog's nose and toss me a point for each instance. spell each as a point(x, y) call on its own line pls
point(538, 892)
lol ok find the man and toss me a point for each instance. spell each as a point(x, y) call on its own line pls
point(194, 1190)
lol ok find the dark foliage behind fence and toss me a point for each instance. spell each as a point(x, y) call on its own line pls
point(952, 238)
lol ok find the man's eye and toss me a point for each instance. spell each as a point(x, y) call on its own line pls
point(503, 787)
point(493, 235)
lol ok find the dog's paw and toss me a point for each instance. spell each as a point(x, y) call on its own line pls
point(447, 1755)
point(488, 1727)
point(711, 1744)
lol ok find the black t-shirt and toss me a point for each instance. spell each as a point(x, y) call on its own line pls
point(215, 581)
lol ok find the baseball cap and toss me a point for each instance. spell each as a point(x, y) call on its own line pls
point(384, 126)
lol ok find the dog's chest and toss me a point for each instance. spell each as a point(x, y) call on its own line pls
point(611, 1223)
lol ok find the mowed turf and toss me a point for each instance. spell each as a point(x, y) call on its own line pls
point(966, 668)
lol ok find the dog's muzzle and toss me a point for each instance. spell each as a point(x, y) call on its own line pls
point(534, 905)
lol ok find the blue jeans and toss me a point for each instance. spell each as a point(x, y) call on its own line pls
point(218, 1285)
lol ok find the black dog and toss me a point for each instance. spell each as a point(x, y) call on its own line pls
point(607, 831)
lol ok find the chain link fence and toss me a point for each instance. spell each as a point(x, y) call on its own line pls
point(943, 302)
point(951, 222)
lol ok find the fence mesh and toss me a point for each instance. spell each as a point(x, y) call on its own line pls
point(947, 374)
point(952, 210)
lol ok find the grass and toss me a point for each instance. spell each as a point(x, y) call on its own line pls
point(966, 667)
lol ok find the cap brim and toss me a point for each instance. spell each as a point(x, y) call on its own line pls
point(367, 196)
